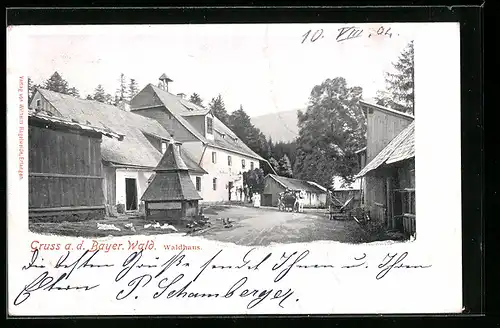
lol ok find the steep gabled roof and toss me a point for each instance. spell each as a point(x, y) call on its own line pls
point(171, 181)
point(296, 184)
point(181, 108)
point(400, 148)
point(171, 160)
point(135, 149)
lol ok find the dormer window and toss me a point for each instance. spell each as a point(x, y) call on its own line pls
point(163, 147)
point(210, 125)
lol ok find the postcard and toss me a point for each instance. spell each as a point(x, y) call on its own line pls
point(234, 169)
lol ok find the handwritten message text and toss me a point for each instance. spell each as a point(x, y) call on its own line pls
point(142, 274)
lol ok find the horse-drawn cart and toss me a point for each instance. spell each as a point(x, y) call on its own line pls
point(291, 201)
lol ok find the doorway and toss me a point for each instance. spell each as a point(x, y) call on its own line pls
point(131, 194)
point(230, 189)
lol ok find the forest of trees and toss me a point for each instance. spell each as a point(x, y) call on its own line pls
point(331, 129)
point(127, 89)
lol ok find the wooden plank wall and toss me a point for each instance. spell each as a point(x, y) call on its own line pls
point(382, 127)
point(110, 181)
point(271, 187)
point(64, 169)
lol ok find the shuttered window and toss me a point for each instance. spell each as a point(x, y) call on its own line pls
point(210, 125)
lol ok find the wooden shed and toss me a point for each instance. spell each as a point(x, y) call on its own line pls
point(65, 173)
point(275, 184)
point(171, 195)
point(390, 193)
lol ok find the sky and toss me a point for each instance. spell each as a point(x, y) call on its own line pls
point(264, 67)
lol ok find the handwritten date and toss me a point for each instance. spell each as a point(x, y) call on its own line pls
point(348, 33)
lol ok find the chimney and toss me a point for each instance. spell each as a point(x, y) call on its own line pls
point(164, 79)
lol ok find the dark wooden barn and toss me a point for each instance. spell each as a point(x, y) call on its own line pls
point(171, 195)
point(65, 168)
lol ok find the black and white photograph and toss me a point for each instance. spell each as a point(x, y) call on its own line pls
point(203, 169)
point(231, 139)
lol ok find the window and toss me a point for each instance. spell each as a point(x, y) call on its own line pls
point(169, 116)
point(210, 125)
point(38, 103)
point(243, 164)
point(229, 161)
point(214, 182)
point(198, 183)
point(163, 147)
point(251, 165)
point(214, 157)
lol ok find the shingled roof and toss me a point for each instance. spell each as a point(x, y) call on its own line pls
point(48, 118)
point(296, 184)
point(400, 148)
point(135, 149)
point(171, 181)
point(224, 138)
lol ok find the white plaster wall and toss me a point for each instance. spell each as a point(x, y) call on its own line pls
point(141, 177)
point(224, 174)
point(193, 178)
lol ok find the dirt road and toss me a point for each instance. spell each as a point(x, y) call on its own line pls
point(262, 226)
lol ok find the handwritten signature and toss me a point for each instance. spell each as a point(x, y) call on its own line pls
point(137, 272)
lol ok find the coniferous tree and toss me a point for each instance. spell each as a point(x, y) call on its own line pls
point(74, 92)
point(399, 93)
point(100, 94)
point(121, 92)
point(218, 108)
point(32, 87)
point(133, 88)
point(196, 99)
point(110, 100)
point(56, 83)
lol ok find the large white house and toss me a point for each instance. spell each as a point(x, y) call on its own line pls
point(213, 146)
point(127, 164)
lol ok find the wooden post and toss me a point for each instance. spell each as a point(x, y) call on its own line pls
point(388, 203)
